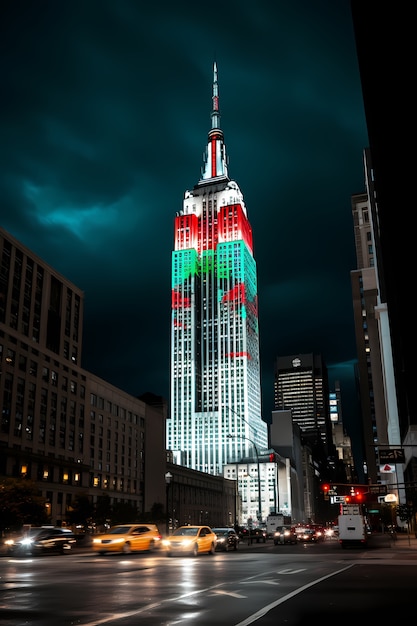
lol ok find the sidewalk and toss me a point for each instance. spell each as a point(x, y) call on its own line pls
point(401, 541)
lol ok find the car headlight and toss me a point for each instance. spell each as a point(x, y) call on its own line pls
point(27, 542)
point(9, 542)
point(187, 542)
point(221, 539)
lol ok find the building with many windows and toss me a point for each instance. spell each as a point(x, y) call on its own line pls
point(301, 384)
point(376, 380)
point(62, 427)
point(215, 414)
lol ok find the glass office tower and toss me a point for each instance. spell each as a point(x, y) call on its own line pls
point(215, 415)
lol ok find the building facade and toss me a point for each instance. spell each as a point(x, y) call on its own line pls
point(341, 439)
point(194, 497)
point(301, 384)
point(376, 378)
point(62, 427)
point(215, 414)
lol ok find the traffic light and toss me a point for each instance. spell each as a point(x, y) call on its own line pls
point(356, 496)
point(325, 487)
point(359, 497)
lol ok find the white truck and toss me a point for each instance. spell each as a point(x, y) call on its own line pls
point(353, 530)
point(275, 521)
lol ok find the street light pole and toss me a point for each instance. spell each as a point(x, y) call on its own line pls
point(259, 516)
point(168, 478)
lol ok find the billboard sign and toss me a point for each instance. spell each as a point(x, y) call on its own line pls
point(394, 455)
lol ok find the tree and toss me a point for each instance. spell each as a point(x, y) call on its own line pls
point(124, 512)
point(20, 503)
point(81, 511)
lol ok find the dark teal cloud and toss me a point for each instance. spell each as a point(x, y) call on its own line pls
point(105, 114)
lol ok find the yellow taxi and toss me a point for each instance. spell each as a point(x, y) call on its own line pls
point(128, 538)
point(190, 540)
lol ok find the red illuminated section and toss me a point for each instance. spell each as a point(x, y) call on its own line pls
point(178, 302)
point(233, 225)
point(238, 293)
point(205, 233)
point(186, 232)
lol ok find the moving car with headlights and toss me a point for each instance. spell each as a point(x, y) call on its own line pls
point(128, 538)
point(307, 535)
point(285, 534)
point(227, 539)
point(41, 540)
point(190, 540)
point(258, 535)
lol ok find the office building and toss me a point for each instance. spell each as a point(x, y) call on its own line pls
point(215, 414)
point(388, 98)
point(301, 384)
point(62, 427)
point(376, 378)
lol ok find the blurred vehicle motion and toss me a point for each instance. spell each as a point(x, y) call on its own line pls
point(41, 540)
point(190, 540)
point(285, 534)
point(227, 539)
point(128, 538)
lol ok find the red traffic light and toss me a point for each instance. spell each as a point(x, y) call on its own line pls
point(325, 487)
point(356, 495)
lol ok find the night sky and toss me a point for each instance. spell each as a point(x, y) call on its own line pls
point(105, 112)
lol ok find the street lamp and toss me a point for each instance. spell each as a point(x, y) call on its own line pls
point(259, 474)
point(168, 478)
point(391, 499)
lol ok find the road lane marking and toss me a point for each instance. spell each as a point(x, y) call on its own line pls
point(268, 607)
point(234, 594)
point(291, 571)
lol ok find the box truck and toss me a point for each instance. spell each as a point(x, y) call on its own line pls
point(353, 530)
point(276, 520)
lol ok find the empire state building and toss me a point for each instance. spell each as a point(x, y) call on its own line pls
point(215, 415)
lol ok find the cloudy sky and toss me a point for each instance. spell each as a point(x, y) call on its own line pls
point(105, 114)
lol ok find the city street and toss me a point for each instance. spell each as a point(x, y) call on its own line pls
point(259, 583)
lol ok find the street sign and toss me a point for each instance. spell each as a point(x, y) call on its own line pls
point(337, 499)
point(394, 455)
point(380, 490)
point(350, 509)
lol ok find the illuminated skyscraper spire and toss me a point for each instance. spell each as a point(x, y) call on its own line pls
point(215, 367)
point(215, 162)
point(215, 115)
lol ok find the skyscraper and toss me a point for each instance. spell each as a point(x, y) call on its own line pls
point(215, 368)
point(301, 384)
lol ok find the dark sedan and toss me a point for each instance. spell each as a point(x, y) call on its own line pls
point(285, 534)
point(41, 540)
point(227, 539)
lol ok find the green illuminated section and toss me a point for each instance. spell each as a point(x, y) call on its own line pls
point(208, 261)
point(184, 265)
